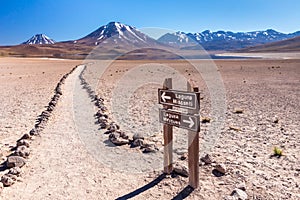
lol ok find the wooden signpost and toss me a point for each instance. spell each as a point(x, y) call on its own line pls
point(190, 121)
point(168, 135)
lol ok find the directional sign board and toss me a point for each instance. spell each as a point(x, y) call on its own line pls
point(188, 100)
point(178, 119)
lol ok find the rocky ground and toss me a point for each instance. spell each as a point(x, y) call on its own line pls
point(73, 158)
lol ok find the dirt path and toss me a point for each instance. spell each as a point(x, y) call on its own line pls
point(60, 167)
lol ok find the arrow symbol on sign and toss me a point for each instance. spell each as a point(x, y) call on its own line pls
point(164, 97)
point(190, 121)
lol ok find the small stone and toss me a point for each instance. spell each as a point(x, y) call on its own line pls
point(181, 169)
point(138, 136)
point(119, 141)
point(22, 143)
point(15, 171)
point(25, 136)
point(52, 103)
point(37, 130)
point(238, 110)
point(101, 114)
point(113, 127)
point(230, 198)
point(275, 119)
point(8, 179)
point(234, 128)
point(32, 132)
point(103, 108)
point(103, 125)
point(22, 151)
point(255, 155)
point(115, 138)
point(239, 194)
point(241, 186)
point(58, 91)
point(13, 177)
point(221, 168)
point(102, 120)
point(45, 113)
point(137, 143)
point(205, 119)
point(56, 97)
point(123, 134)
point(96, 97)
point(50, 108)
point(99, 103)
point(183, 156)
point(149, 148)
point(41, 119)
point(207, 159)
point(15, 161)
point(180, 151)
point(107, 132)
point(42, 124)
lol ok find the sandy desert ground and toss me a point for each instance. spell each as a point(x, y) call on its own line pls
point(72, 158)
point(26, 88)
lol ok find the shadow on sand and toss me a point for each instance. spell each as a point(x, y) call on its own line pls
point(3, 166)
point(182, 195)
point(144, 188)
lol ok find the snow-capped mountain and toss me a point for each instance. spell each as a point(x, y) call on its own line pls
point(117, 38)
point(116, 33)
point(177, 39)
point(224, 39)
point(39, 39)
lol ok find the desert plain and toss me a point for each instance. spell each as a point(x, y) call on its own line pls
point(64, 158)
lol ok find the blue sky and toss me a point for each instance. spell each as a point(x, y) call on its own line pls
point(72, 19)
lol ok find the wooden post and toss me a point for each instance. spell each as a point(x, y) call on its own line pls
point(193, 148)
point(168, 136)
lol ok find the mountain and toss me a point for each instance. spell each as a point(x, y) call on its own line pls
point(120, 41)
point(224, 40)
point(288, 45)
point(179, 38)
point(115, 40)
point(39, 39)
point(116, 33)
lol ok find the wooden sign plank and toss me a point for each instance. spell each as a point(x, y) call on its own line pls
point(180, 120)
point(188, 100)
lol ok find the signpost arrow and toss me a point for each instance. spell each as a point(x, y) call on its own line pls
point(164, 97)
point(190, 121)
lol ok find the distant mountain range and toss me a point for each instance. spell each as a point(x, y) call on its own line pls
point(117, 39)
point(224, 40)
point(130, 36)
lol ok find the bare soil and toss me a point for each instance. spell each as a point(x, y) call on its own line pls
point(63, 165)
point(27, 84)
